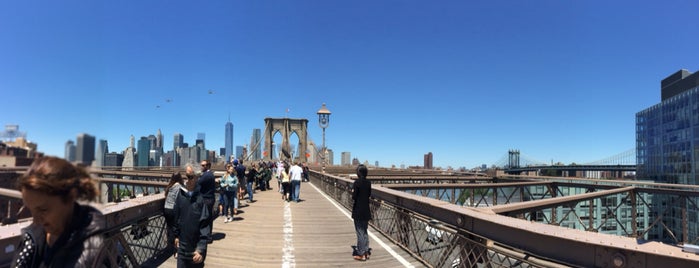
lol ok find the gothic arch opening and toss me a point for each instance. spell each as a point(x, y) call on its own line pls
point(286, 127)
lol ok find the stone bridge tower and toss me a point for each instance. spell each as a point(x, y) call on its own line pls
point(286, 127)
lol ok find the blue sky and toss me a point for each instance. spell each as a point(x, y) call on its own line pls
point(466, 80)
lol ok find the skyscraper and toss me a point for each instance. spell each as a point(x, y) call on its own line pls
point(129, 160)
point(239, 152)
point(178, 141)
point(346, 158)
point(159, 142)
point(102, 150)
point(666, 135)
point(70, 151)
point(229, 140)
point(256, 144)
point(427, 163)
point(666, 146)
point(143, 152)
point(85, 151)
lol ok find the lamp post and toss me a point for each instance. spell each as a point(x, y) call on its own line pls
point(323, 122)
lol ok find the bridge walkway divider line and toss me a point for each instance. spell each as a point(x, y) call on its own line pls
point(321, 236)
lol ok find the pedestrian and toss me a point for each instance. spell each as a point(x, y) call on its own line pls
point(229, 190)
point(286, 182)
point(305, 172)
point(296, 174)
point(206, 187)
point(261, 176)
point(63, 232)
point(279, 171)
point(192, 226)
point(172, 191)
point(361, 213)
point(250, 180)
point(240, 172)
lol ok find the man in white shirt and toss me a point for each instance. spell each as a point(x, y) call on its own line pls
point(296, 173)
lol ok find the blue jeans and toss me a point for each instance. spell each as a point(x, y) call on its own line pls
point(230, 202)
point(362, 236)
point(295, 189)
point(250, 190)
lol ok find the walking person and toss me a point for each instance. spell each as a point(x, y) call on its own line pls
point(296, 174)
point(262, 176)
point(250, 180)
point(361, 213)
point(229, 190)
point(63, 232)
point(279, 171)
point(286, 182)
point(206, 187)
point(240, 173)
point(305, 172)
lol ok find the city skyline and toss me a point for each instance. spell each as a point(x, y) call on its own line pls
point(466, 81)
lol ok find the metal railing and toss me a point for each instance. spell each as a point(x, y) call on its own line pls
point(448, 235)
point(651, 211)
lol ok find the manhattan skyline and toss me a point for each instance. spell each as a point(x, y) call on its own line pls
point(467, 81)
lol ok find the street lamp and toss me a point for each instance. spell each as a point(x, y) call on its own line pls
point(323, 122)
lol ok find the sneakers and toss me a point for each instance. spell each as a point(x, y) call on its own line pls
point(228, 219)
point(360, 257)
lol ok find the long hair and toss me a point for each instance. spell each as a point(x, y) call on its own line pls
point(175, 178)
point(58, 177)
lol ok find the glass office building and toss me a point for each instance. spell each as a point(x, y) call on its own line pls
point(667, 148)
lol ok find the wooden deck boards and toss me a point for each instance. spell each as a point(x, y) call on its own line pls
point(311, 233)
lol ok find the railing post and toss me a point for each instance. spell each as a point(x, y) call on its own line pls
point(685, 228)
point(634, 213)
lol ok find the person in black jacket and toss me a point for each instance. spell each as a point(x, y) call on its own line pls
point(361, 213)
point(63, 233)
point(206, 187)
point(191, 228)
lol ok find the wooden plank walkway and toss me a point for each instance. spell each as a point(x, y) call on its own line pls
point(312, 233)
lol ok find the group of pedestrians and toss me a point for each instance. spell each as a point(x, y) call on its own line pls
point(189, 201)
point(290, 178)
point(66, 233)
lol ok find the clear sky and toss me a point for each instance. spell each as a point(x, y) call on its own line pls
point(466, 80)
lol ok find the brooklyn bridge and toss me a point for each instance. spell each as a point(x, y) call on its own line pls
point(420, 219)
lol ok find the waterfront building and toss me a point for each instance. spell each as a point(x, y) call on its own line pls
point(113, 159)
point(130, 154)
point(427, 163)
point(159, 142)
point(192, 155)
point(667, 147)
point(345, 158)
point(70, 151)
point(239, 152)
point(256, 144)
point(143, 152)
point(85, 150)
point(331, 157)
point(202, 147)
point(178, 141)
point(102, 150)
